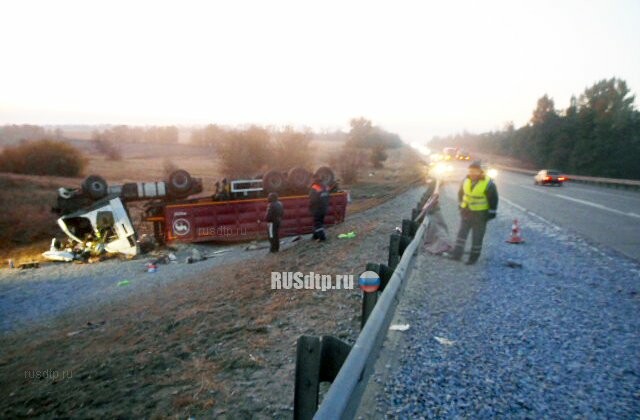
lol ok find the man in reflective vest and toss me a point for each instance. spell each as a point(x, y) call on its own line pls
point(318, 205)
point(478, 198)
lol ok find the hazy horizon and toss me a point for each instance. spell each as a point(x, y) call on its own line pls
point(415, 69)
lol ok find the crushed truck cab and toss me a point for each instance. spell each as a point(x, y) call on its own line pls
point(107, 223)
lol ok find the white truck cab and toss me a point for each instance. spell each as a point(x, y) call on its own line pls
point(107, 222)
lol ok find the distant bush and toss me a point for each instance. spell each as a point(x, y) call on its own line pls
point(106, 147)
point(245, 152)
point(290, 148)
point(378, 156)
point(364, 134)
point(43, 157)
point(348, 163)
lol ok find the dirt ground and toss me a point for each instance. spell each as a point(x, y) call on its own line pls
point(220, 344)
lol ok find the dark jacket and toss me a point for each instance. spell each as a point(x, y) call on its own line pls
point(318, 199)
point(275, 211)
point(491, 193)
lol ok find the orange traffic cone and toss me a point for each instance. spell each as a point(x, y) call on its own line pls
point(515, 238)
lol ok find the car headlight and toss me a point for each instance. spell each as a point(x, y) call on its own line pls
point(492, 173)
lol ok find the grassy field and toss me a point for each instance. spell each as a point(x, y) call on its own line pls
point(27, 225)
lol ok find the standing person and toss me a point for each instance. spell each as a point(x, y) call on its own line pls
point(478, 198)
point(318, 205)
point(274, 214)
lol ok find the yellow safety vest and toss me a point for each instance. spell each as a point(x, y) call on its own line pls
point(475, 199)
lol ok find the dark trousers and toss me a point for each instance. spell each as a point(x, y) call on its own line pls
point(274, 236)
point(318, 226)
point(476, 222)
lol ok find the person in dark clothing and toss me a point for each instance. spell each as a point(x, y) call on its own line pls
point(478, 198)
point(273, 217)
point(318, 205)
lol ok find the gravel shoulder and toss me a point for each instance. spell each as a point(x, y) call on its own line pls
point(549, 328)
point(30, 296)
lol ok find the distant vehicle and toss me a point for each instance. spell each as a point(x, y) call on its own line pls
point(549, 177)
point(449, 153)
point(463, 155)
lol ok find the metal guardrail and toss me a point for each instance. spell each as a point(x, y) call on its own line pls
point(607, 182)
point(343, 398)
point(328, 359)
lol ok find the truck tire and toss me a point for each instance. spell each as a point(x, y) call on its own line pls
point(95, 187)
point(179, 183)
point(326, 174)
point(273, 181)
point(299, 178)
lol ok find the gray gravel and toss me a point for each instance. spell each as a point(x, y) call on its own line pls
point(37, 295)
point(557, 337)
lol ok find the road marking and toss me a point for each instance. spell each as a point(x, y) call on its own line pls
point(585, 202)
point(524, 210)
point(598, 206)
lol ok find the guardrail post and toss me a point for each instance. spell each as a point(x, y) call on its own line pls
point(305, 397)
point(334, 353)
point(385, 273)
point(409, 228)
point(316, 361)
point(404, 243)
point(394, 250)
point(369, 299)
point(414, 213)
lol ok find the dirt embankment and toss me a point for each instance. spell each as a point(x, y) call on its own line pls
point(220, 344)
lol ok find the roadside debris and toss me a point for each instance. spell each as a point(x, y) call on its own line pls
point(513, 264)
point(348, 235)
point(253, 246)
point(123, 283)
point(90, 326)
point(196, 256)
point(399, 327)
point(151, 267)
point(444, 341)
point(30, 264)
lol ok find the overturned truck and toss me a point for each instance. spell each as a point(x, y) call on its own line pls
point(97, 213)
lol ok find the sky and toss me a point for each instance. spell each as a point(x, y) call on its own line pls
point(418, 68)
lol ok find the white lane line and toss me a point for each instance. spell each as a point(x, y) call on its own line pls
point(598, 206)
point(585, 202)
point(524, 210)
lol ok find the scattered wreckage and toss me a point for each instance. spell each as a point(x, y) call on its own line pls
point(96, 219)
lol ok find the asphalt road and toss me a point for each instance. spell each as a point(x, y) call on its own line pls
point(604, 215)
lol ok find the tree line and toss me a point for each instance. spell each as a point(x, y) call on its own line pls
point(598, 134)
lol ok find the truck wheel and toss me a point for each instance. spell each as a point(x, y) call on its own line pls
point(95, 187)
point(299, 178)
point(273, 181)
point(326, 174)
point(180, 182)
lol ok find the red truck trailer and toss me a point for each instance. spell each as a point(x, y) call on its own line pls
point(237, 220)
point(97, 213)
